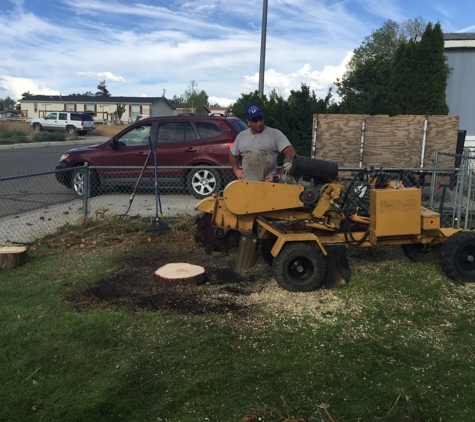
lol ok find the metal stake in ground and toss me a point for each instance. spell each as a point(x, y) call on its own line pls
point(158, 224)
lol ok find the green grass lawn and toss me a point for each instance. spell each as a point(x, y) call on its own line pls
point(399, 347)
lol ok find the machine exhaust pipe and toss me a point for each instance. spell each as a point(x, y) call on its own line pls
point(326, 171)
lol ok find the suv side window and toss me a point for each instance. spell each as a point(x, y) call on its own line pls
point(51, 116)
point(208, 130)
point(170, 132)
point(136, 137)
point(63, 116)
point(76, 117)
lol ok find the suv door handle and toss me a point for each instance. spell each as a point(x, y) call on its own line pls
point(141, 154)
point(191, 149)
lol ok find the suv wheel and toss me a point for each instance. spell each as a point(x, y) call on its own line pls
point(203, 182)
point(77, 182)
point(71, 130)
point(37, 127)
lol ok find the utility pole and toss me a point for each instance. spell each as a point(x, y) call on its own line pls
point(263, 49)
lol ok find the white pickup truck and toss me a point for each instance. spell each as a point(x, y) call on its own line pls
point(70, 122)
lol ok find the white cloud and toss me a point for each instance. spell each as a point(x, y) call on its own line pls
point(149, 46)
point(101, 76)
point(223, 102)
point(15, 87)
point(318, 81)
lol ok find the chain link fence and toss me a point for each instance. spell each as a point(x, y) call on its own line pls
point(38, 204)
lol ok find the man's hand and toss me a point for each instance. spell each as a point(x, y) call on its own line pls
point(239, 174)
point(273, 178)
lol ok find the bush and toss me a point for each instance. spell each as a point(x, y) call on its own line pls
point(13, 137)
point(48, 137)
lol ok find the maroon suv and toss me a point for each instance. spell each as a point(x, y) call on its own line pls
point(199, 141)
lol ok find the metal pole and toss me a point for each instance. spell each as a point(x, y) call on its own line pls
point(314, 142)
point(263, 50)
point(362, 143)
point(460, 193)
point(424, 138)
point(86, 190)
point(433, 181)
point(467, 209)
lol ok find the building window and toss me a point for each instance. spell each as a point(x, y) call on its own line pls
point(35, 105)
point(90, 107)
point(70, 107)
point(135, 111)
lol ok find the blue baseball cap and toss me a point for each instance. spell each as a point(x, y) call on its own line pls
point(253, 110)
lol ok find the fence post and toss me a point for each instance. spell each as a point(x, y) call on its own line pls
point(86, 191)
point(469, 193)
point(433, 182)
point(460, 193)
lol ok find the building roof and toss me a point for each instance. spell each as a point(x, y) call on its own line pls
point(94, 99)
point(460, 36)
point(459, 40)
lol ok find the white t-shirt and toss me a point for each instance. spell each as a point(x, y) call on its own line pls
point(259, 152)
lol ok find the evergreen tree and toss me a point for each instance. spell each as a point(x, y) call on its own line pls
point(364, 86)
point(102, 90)
point(431, 73)
point(401, 94)
point(293, 117)
point(7, 103)
point(419, 76)
point(238, 109)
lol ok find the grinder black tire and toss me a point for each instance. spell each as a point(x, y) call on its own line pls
point(457, 256)
point(299, 267)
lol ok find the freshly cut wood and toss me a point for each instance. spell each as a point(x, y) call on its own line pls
point(12, 256)
point(181, 272)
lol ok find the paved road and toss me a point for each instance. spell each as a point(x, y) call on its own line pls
point(31, 158)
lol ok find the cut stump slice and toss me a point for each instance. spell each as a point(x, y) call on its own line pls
point(181, 272)
point(12, 256)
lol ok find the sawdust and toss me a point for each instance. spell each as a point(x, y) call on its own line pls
point(134, 285)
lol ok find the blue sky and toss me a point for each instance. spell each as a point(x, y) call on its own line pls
point(155, 47)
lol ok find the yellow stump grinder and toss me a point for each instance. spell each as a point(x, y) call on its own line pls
point(303, 226)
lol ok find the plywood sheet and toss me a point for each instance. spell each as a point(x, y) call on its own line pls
point(388, 141)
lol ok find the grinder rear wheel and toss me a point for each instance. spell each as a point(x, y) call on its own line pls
point(457, 257)
point(299, 267)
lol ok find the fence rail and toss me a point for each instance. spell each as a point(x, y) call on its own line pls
point(35, 205)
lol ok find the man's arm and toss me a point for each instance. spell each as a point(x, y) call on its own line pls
point(233, 160)
point(289, 152)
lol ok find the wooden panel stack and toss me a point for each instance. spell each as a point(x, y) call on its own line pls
point(387, 141)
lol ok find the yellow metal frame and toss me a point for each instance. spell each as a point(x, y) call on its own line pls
point(283, 237)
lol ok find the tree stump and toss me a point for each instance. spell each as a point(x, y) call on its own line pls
point(181, 272)
point(12, 256)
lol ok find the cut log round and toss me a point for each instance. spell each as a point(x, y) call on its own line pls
point(181, 272)
point(12, 256)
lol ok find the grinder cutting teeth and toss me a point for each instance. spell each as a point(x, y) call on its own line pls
point(215, 239)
